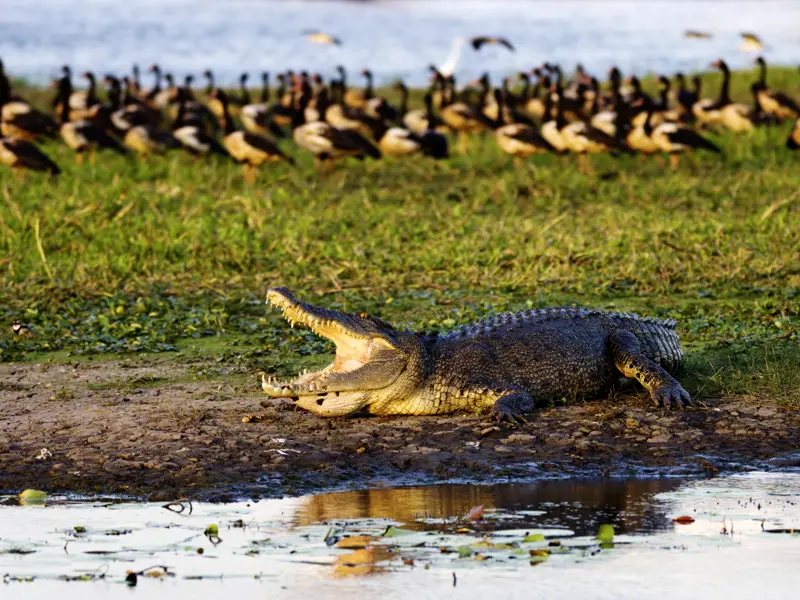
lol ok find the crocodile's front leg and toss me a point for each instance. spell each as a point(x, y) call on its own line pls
point(509, 404)
point(629, 359)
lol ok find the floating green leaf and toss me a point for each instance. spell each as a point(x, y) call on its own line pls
point(391, 531)
point(605, 534)
point(32, 497)
point(533, 537)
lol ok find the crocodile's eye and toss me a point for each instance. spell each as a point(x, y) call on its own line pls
point(363, 315)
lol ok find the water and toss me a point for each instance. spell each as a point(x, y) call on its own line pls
point(393, 38)
point(277, 547)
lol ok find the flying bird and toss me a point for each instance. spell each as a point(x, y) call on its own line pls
point(694, 34)
point(751, 43)
point(477, 42)
point(320, 37)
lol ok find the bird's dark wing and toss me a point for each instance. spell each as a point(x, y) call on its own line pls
point(689, 137)
point(529, 135)
point(785, 101)
point(352, 140)
point(480, 41)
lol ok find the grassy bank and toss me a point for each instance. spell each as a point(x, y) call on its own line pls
point(142, 255)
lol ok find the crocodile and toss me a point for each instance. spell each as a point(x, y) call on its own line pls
point(507, 363)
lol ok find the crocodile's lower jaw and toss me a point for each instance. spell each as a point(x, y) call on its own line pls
point(314, 398)
point(307, 384)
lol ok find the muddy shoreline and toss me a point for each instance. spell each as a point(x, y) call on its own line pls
point(152, 429)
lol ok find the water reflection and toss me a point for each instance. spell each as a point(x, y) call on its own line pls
point(578, 505)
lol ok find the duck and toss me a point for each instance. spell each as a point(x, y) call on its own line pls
point(532, 103)
point(734, 116)
point(774, 102)
point(188, 129)
point(248, 149)
point(84, 135)
point(639, 137)
point(163, 99)
point(146, 139)
point(637, 93)
point(461, 117)
point(793, 141)
point(660, 109)
point(5, 85)
point(265, 88)
point(705, 110)
point(80, 101)
point(20, 120)
point(491, 109)
point(326, 142)
point(608, 121)
point(355, 98)
point(420, 120)
point(399, 141)
point(281, 109)
point(520, 140)
point(568, 101)
point(258, 117)
point(320, 37)
point(686, 98)
point(675, 139)
point(194, 109)
point(340, 114)
point(149, 96)
point(24, 155)
point(132, 112)
point(582, 139)
point(135, 81)
point(552, 128)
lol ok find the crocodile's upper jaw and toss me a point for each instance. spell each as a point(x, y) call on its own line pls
point(342, 387)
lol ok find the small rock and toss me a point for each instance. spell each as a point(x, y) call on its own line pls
point(659, 439)
point(503, 449)
point(519, 438)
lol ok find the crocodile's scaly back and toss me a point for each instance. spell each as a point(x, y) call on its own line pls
point(657, 336)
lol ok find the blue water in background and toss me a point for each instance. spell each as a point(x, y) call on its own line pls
point(393, 38)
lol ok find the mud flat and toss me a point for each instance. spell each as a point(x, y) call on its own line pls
point(150, 428)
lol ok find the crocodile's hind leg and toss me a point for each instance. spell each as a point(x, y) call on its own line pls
point(629, 359)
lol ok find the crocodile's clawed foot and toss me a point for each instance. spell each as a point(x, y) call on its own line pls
point(512, 409)
point(671, 395)
point(506, 415)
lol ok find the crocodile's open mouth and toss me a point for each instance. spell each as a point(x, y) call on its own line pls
point(365, 359)
point(351, 351)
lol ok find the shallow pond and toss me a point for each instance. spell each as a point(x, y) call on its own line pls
point(426, 541)
point(392, 37)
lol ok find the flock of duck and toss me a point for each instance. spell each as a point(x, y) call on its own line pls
point(532, 113)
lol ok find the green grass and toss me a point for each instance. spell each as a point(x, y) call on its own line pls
point(145, 255)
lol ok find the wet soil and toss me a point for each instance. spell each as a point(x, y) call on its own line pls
point(153, 428)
